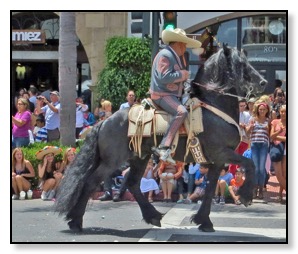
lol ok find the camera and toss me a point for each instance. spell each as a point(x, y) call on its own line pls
point(39, 98)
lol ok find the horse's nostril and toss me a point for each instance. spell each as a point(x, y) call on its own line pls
point(263, 83)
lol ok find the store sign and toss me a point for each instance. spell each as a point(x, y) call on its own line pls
point(266, 52)
point(28, 36)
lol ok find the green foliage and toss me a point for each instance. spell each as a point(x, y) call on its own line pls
point(128, 67)
point(32, 149)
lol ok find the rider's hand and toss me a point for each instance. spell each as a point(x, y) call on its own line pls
point(185, 74)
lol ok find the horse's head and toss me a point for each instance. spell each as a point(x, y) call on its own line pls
point(229, 69)
point(243, 76)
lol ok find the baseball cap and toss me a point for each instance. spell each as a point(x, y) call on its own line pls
point(56, 93)
point(252, 99)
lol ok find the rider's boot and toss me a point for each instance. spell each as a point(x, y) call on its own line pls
point(164, 154)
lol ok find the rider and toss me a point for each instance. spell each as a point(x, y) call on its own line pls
point(167, 78)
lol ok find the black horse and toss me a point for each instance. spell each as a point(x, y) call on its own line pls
point(225, 75)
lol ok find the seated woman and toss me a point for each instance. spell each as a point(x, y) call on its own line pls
point(48, 171)
point(68, 157)
point(148, 182)
point(22, 172)
point(168, 174)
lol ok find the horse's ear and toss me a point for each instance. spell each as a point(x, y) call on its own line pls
point(226, 49)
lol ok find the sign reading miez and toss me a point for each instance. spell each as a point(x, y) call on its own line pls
point(27, 36)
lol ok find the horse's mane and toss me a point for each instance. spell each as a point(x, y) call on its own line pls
point(223, 70)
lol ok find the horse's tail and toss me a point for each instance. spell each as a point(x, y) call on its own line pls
point(71, 185)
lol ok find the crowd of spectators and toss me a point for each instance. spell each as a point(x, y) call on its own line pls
point(263, 128)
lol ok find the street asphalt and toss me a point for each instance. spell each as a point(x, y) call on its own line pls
point(110, 222)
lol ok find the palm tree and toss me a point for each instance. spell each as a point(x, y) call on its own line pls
point(67, 77)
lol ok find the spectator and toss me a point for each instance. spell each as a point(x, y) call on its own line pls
point(235, 184)
point(107, 109)
point(68, 157)
point(31, 104)
point(148, 182)
point(192, 170)
point(89, 118)
point(33, 93)
point(168, 174)
point(222, 186)
point(278, 100)
point(21, 123)
point(98, 113)
point(41, 133)
point(277, 148)
point(131, 98)
point(86, 96)
point(52, 112)
point(47, 93)
point(48, 171)
point(80, 108)
point(243, 121)
point(200, 182)
point(108, 183)
point(259, 129)
point(22, 172)
point(250, 105)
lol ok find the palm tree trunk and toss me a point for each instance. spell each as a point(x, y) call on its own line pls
point(67, 77)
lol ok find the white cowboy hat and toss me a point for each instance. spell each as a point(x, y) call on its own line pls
point(46, 150)
point(179, 35)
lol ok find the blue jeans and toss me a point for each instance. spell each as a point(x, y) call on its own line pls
point(191, 183)
point(259, 153)
point(18, 142)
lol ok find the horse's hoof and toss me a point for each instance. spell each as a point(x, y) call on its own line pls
point(156, 222)
point(75, 227)
point(203, 229)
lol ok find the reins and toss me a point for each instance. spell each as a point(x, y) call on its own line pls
point(224, 93)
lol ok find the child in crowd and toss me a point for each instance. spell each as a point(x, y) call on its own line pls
point(148, 182)
point(200, 182)
point(41, 134)
point(222, 187)
point(235, 184)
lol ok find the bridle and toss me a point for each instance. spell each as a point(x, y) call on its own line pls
point(222, 92)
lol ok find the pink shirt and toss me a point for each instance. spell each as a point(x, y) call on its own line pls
point(276, 125)
point(22, 132)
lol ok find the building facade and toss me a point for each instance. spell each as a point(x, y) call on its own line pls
point(35, 41)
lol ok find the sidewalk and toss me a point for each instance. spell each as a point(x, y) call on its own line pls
point(270, 195)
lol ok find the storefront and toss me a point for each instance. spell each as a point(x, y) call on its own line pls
point(35, 41)
point(262, 36)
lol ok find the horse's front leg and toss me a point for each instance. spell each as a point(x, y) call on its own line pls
point(202, 216)
point(149, 213)
point(246, 190)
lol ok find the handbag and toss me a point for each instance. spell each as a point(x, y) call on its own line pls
point(276, 151)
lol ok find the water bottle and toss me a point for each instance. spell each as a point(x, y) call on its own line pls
point(29, 194)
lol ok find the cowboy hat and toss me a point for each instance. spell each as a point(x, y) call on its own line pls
point(179, 35)
point(46, 150)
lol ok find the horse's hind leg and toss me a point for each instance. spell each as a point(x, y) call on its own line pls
point(150, 214)
point(75, 215)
